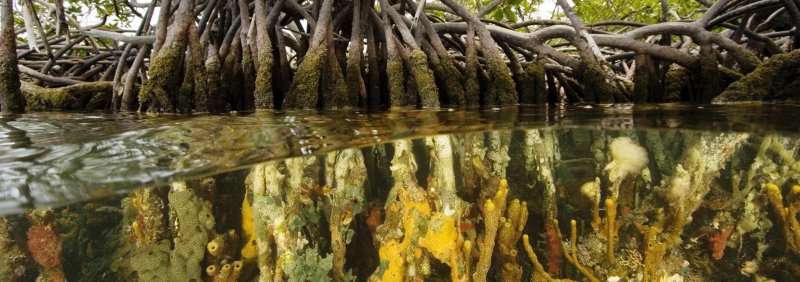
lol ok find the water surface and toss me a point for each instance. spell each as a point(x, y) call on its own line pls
point(51, 159)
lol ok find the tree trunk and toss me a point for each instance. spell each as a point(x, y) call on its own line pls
point(11, 100)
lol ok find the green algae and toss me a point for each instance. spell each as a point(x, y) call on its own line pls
point(248, 77)
point(73, 97)
point(209, 101)
point(264, 98)
point(708, 75)
point(200, 76)
point(303, 94)
point(164, 78)
point(775, 79)
point(501, 89)
point(423, 78)
point(645, 79)
point(452, 78)
point(595, 86)
point(532, 85)
point(334, 88)
point(675, 82)
point(396, 77)
point(13, 100)
point(354, 81)
point(472, 89)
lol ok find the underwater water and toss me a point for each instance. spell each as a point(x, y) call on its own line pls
point(600, 193)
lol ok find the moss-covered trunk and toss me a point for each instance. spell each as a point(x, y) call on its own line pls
point(319, 72)
point(500, 90)
point(159, 91)
point(776, 79)
point(264, 98)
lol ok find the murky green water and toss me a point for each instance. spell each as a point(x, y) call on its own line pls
point(644, 193)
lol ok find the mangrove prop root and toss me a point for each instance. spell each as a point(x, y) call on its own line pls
point(69, 97)
point(775, 79)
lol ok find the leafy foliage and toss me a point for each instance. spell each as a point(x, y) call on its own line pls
point(86, 12)
point(642, 11)
point(510, 11)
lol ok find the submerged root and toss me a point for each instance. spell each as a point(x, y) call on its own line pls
point(345, 176)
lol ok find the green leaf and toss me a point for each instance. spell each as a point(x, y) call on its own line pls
point(497, 15)
point(510, 14)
